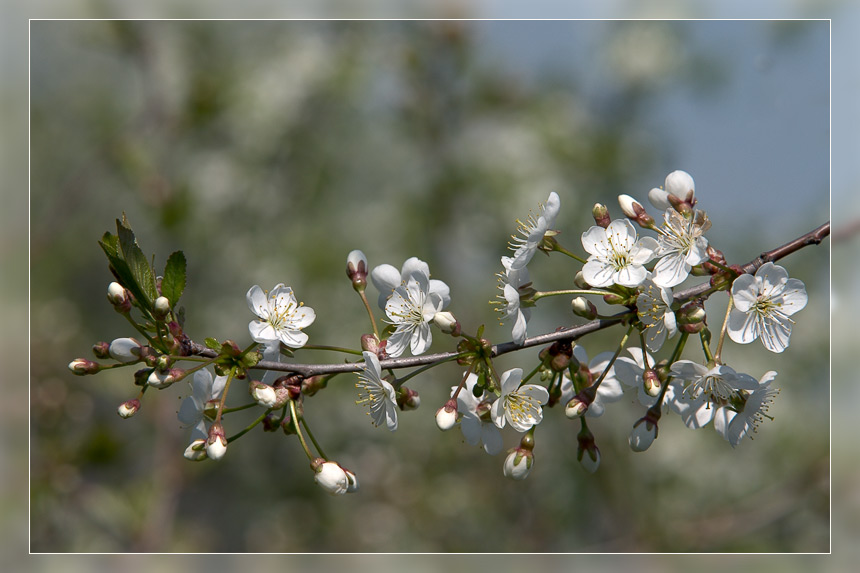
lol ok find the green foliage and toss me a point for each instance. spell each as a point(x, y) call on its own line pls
point(173, 282)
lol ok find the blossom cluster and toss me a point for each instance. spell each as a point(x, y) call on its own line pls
point(632, 264)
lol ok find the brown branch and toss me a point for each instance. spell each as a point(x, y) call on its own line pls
point(813, 237)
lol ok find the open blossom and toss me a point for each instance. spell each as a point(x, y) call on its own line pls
point(745, 411)
point(631, 372)
point(514, 283)
point(617, 255)
point(762, 306)
point(282, 317)
point(204, 389)
point(532, 232)
point(386, 279)
point(654, 307)
point(475, 422)
point(411, 308)
point(703, 388)
point(681, 246)
point(377, 393)
point(520, 407)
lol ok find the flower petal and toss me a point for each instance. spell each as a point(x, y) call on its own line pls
point(743, 328)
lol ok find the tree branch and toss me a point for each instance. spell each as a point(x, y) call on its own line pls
point(813, 237)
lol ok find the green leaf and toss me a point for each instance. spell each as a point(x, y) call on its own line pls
point(137, 264)
point(118, 266)
point(173, 282)
point(212, 343)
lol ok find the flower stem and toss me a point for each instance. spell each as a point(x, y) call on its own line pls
point(249, 428)
point(313, 439)
point(295, 421)
point(541, 294)
point(563, 251)
point(532, 373)
point(718, 354)
point(239, 408)
point(332, 348)
point(369, 312)
point(618, 350)
point(224, 394)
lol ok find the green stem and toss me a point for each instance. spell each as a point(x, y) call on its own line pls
point(541, 294)
point(313, 439)
point(332, 348)
point(719, 353)
point(563, 251)
point(369, 310)
point(239, 408)
point(224, 394)
point(295, 421)
point(705, 348)
point(621, 345)
point(532, 373)
point(679, 348)
point(249, 428)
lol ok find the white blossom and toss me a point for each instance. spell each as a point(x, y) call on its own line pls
point(681, 246)
point(532, 231)
point(204, 389)
point(609, 390)
point(617, 255)
point(282, 317)
point(746, 411)
point(520, 407)
point(377, 393)
point(386, 278)
point(510, 283)
point(411, 308)
point(654, 308)
point(475, 422)
point(762, 306)
point(678, 183)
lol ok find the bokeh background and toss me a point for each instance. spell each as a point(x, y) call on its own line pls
point(267, 151)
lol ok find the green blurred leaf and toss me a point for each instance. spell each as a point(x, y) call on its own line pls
point(212, 343)
point(173, 282)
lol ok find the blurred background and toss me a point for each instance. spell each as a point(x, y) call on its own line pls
point(266, 151)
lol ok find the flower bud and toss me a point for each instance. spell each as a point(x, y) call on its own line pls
point(161, 307)
point(263, 394)
point(352, 481)
point(101, 350)
point(518, 464)
point(635, 211)
point(446, 416)
point(643, 435)
point(651, 382)
point(447, 323)
point(580, 282)
point(690, 313)
point(128, 408)
point(119, 297)
point(330, 476)
point(161, 378)
point(370, 343)
point(125, 350)
point(575, 408)
point(681, 185)
point(356, 269)
point(216, 444)
point(584, 308)
point(271, 422)
point(314, 384)
point(82, 366)
point(587, 453)
point(408, 399)
point(196, 450)
point(601, 215)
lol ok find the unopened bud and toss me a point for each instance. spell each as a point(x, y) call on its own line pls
point(680, 185)
point(101, 350)
point(161, 307)
point(690, 314)
point(216, 444)
point(330, 476)
point(584, 308)
point(643, 435)
point(447, 323)
point(129, 408)
point(408, 399)
point(575, 408)
point(651, 382)
point(196, 450)
point(263, 394)
point(601, 215)
point(580, 282)
point(352, 481)
point(635, 211)
point(125, 350)
point(446, 416)
point(82, 366)
point(314, 384)
point(370, 343)
point(119, 297)
point(356, 269)
point(518, 464)
point(587, 453)
point(160, 378)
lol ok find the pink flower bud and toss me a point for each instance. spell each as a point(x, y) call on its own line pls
point(128, 408)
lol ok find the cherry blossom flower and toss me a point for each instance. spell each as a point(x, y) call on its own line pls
point(411, 308)
point(703, 388)
point(520, 407)
point(331, 477)
point(609, 390)
point(282, 317)
point(631, 372)
point(532, 232)
point(746, 411)
point(617, 255)
point(514, 284)
point(475, 421)
point(192, 411)
point(377, 393)
point(762, 306)
point(681, 245)
point(654, 307)
point(386, 279)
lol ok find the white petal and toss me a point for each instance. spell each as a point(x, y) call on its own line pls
point(658, 198)
point(262, 331)
point(745, 291)
point(497, 413)
point(597, 273)
point(303, 317)
point(441, 289)
point(670, 271)
point(470, 425)
point(189, 413)
point(492, 438)
point(775, 334)
point(594, 241)
point(535, 391)
point(510, 381)
point(385, 278)
point(742, 327)
point(551, 208)
point(794, 297)
point(631, 276)
point(679, 183)
point(293, 338)
point(773, 278)
point(422, 337)
point(520, 329)
point(257, 301)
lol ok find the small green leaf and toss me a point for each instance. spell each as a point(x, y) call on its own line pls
point(137, 264)
point(173, 282)
point(212, 343)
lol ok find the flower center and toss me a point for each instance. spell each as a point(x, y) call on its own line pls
point(521, 408)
